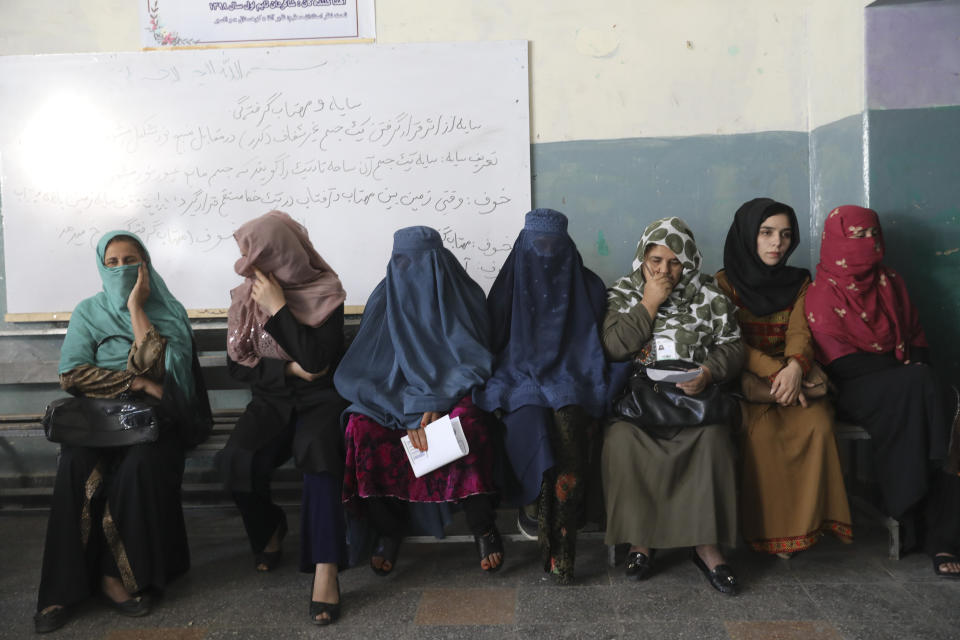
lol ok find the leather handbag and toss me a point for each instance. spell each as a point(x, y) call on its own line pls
point(101, 422)
point(663, 410)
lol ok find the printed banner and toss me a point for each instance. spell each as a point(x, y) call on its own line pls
point(184, 23)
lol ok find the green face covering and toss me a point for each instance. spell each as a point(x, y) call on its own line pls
point(100, 331)
point(118, 283)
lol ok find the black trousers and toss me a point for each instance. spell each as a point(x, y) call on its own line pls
point(115, 512)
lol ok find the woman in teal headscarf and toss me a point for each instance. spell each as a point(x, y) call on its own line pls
point(116, 522)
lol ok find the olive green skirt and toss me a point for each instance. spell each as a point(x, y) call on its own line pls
point(680, 492)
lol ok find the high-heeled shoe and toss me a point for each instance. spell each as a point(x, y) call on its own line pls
point(320, 608)
point(271, 559)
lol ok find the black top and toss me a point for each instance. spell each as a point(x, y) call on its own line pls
point(317, 441)
point(315, 348)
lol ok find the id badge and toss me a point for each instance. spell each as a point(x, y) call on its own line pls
point(666, 349)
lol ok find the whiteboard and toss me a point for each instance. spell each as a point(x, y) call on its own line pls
point(182, 147)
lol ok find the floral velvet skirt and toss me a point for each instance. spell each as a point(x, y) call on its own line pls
point(377, 465)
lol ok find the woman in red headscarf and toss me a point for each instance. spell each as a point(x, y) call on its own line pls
point(868, 335)
point(284, 339)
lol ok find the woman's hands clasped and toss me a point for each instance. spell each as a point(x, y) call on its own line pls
point(267, 292)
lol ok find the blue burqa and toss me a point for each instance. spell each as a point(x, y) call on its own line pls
point(422, 346)
point(546, 309)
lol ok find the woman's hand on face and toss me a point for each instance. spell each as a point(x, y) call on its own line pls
point(698, 384)
point(294, 369)
point(141, 289)
point(658, 286)
point(148, 386)
point(786, 384)
point(267, 292)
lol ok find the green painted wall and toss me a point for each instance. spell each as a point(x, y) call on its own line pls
point(915, 187)
point(612, 189)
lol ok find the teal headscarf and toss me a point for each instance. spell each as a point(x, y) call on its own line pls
point(100, 332)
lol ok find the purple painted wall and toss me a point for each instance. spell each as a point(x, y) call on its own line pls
point(913, 54)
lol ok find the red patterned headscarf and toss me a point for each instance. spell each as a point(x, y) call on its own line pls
point(856, 303)
point(278, 245)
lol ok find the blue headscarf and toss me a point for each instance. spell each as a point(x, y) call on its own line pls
point(422, 344)
point(545, 308)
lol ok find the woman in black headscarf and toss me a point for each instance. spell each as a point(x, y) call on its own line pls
point(791, 487)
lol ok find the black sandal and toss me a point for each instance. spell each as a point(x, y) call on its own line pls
point(720, 577)
point(387, 548)
point(489, 544)
point(320, 608)
point(939, 561)
point(51, 620)
point(639, 564)
point(271, 559)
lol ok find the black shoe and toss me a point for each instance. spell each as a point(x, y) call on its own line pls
point(529, 527)
point(640, 565)
point(720, 578)
point(319, 608)
point(134, 607)
point(271, 559)
point(51, 620)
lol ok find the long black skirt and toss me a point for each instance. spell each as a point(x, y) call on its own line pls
point(905, 411)
point(115, 512)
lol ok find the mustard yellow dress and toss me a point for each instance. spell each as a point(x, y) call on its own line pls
point(791, 483)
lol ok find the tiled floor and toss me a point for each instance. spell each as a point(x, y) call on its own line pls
point(832, 592)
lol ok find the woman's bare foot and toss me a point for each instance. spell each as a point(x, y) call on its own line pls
point(947, 568)
point(113, 588)
point(273, 546)
point(325, 588)
point(492, 561)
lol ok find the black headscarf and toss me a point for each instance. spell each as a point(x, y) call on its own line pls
point(761, 288)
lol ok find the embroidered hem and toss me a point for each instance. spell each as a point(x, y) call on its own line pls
point(792, 544)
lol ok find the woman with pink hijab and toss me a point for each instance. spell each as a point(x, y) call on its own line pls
point(869, 337)
point(285, 339)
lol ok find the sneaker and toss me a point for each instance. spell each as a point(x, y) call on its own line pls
point(528, 526)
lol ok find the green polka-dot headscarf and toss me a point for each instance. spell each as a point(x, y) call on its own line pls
point(697, 315)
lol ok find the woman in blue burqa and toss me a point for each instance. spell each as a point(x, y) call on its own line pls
point(421, 349)
point(550, 377)
point(116, 522)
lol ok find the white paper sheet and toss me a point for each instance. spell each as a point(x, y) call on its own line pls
point(445, 443)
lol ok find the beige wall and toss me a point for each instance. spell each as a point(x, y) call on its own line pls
point(616, 69)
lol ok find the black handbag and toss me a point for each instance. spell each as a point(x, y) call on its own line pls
point(663, 410)
point(101, 422)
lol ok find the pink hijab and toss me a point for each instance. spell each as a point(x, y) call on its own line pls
point(277, 245)
point(856, 301)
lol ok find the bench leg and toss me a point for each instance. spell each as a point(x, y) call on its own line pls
point(611, 555)
point(893, 527)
